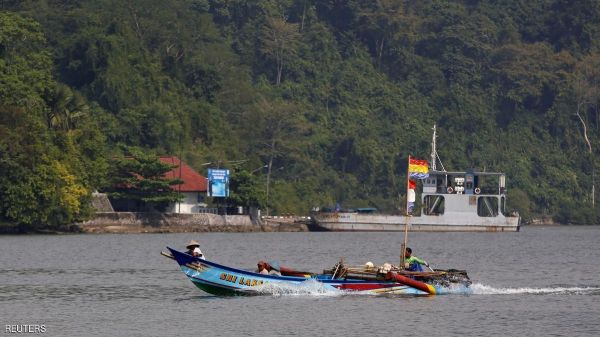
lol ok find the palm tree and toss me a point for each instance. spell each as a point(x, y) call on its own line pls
point(66, 108)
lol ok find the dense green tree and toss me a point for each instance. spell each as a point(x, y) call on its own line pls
point(42, 178)
point(140, 178)
point(280, 42)
point(246, 190)
point(25, 64)
point(66, 109)
point(331, 95)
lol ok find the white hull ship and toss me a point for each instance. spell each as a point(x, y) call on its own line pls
point(450, 201)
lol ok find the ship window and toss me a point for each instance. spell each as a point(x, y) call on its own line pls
point(433, 205)
point(487, 206)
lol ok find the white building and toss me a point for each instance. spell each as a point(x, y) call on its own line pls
point(193, 188)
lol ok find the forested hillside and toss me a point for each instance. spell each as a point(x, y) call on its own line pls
point(332, 96)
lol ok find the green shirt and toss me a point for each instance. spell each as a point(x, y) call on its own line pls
point(413, 259)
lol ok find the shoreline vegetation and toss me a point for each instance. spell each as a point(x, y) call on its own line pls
point(307, 103)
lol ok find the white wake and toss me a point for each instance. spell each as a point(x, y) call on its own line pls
point(307, 288)
point(315, 288)
point(482, 289)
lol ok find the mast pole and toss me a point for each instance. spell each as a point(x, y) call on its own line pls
point(406, 217)
point(179, 188)
point(407, 183)
point(433, 150)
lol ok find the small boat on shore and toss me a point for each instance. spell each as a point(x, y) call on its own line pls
point(217, 279)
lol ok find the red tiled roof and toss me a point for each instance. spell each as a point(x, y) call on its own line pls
point(192, 180)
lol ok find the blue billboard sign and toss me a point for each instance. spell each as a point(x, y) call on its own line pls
point(218, 183)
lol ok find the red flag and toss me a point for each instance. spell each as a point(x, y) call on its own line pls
point(412, 184)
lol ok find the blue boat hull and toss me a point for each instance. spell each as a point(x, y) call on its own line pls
point(217, 279)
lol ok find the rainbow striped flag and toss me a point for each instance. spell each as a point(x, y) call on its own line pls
point(418, 168)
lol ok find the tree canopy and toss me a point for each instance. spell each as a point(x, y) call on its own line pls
point(332, 96)
point(140, 178)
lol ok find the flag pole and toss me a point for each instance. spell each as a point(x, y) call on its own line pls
point(407, 183)
point(406, 217)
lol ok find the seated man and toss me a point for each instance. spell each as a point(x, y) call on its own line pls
point(413, 263)
point(266, 269)
point(193, 248)
point(262, 268)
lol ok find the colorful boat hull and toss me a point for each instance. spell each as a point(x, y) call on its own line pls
point(217, 279)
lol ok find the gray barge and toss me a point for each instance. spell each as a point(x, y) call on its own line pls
point(450, 201)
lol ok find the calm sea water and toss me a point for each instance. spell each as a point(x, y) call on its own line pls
point(543, 281)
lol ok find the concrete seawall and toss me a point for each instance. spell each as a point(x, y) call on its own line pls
point(131, 222)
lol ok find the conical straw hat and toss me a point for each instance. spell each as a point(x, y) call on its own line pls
point(192, 243)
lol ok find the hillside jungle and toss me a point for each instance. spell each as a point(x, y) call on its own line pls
point(326, 99)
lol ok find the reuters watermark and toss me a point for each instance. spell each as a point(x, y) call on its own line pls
point(25, 328)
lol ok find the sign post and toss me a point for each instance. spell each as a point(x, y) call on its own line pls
point(218, 183)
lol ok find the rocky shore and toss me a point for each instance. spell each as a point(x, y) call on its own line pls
point(130, 222)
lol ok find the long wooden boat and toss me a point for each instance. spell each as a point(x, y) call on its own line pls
point(218, 279)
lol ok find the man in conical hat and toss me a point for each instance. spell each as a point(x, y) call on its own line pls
point(192, 244)
point(193, 248)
